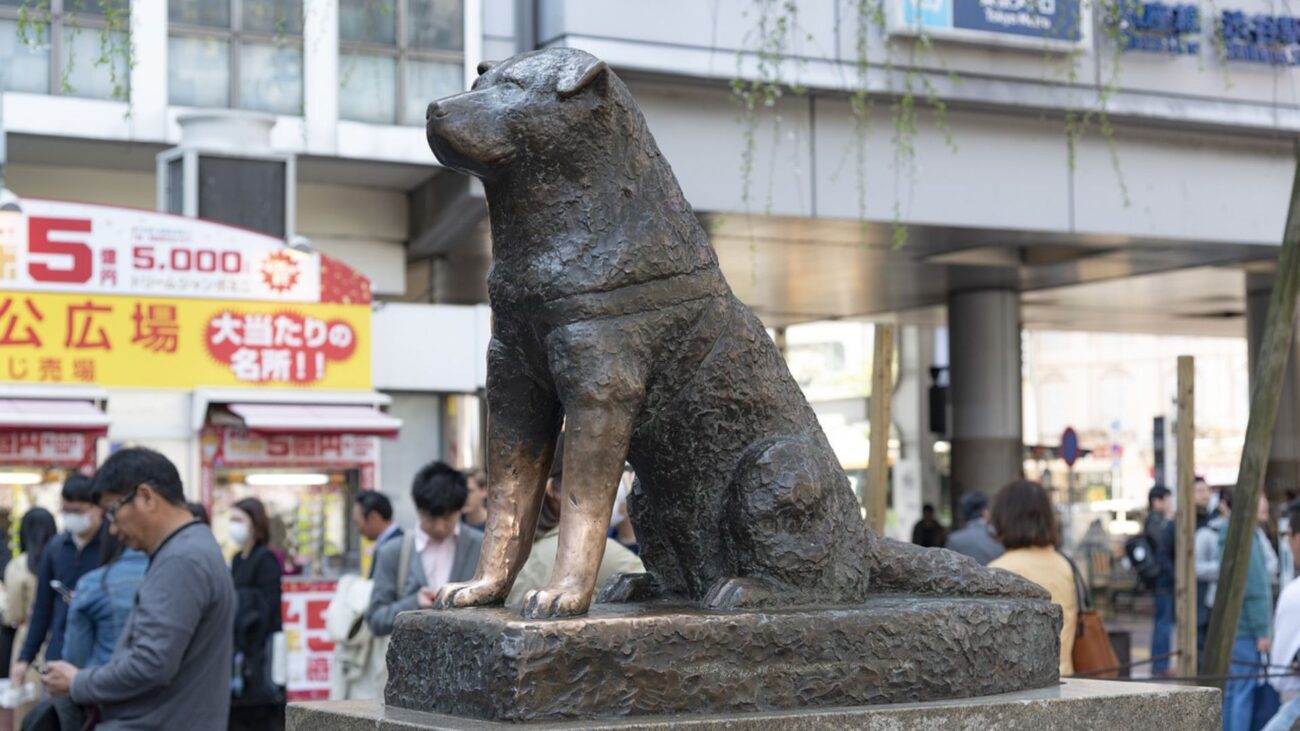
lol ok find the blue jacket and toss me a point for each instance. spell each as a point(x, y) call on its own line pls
point(1257, 604)
point(60, 560)
point(100, 605)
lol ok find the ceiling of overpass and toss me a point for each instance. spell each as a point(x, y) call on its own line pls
point(800, 270)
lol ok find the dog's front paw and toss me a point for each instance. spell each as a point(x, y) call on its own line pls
point(478, 593)
point(553, 602)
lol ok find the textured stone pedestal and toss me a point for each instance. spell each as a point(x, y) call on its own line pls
point(630, 660)
point(1075, 705)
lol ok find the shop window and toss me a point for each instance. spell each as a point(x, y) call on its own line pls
point(395, 56)
point(309, 512)
point(67, 47)
point(245, 54)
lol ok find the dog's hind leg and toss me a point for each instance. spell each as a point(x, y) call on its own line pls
point(903, 568)
point(523, 421)
point(794, 534)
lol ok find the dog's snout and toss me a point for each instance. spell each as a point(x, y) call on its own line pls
point(433, 111)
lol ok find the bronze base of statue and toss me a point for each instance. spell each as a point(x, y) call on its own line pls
point(643, 659)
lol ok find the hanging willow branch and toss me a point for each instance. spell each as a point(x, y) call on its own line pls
point(768, 41)
point(115, 40)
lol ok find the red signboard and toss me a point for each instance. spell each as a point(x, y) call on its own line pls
point(56, 449)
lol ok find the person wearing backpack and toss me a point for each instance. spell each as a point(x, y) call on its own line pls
point(1159, 532)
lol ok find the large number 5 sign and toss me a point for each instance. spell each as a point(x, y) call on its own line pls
point(54, 258)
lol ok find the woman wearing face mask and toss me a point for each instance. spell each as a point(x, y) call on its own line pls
point(256, 703)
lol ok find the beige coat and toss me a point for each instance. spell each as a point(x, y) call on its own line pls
point(19, 593)
point(1049, 569)
point(537, 570)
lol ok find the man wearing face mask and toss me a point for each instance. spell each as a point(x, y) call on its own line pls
point(68, 555)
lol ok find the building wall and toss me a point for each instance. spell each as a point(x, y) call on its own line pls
point(400, 459)
point(365, 228)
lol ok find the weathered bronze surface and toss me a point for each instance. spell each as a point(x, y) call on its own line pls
point(629, 660)
point(610, 311)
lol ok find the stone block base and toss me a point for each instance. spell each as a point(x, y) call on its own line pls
point(631, 660)
point(1074, 705)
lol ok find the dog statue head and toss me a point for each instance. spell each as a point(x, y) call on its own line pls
point(535, 108)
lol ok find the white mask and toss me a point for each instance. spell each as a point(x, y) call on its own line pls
point(76, 523)
point(239, 533)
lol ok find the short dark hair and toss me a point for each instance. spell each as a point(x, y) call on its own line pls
point(927, 508)
point(439, 489)
point(972, 504)
point(76, 489)
point(1225, 496)
point(1159, 492)
point(256, 512)
point(133, 466)
point(374, 501)
point(1293, 516)
point(199, 512)
point(1023, 516)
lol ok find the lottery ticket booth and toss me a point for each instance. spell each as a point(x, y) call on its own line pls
point(46, 434)
point(245, 360)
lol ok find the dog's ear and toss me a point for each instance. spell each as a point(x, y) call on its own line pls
point(572, 81)
point(486, 66)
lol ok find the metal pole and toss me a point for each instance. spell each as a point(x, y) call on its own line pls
point(882, 367)
point(1274, 351)
point(3, 151)
point(1185, 521)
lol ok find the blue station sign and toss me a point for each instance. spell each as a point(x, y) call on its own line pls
point(1157, 27)
point(1027, 23)
point(1260, 38)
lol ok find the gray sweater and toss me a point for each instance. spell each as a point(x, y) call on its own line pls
point(171, 666)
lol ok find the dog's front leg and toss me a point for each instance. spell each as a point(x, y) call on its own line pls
point(523, 422)
point(595, 445)
point(598, 375)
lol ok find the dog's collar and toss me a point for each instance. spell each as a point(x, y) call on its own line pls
point(632, 299)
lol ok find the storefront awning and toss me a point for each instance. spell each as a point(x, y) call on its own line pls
point(316, 419)
point(52, 415)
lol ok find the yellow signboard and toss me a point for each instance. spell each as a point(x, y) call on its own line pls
point(182, 343)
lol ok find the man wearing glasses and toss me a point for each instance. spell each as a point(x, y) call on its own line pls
point(171, 666)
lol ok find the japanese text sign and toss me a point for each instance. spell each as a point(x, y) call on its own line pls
point(1157, 27)
point(144, 342)
point(1028, 23)
point(117, 297)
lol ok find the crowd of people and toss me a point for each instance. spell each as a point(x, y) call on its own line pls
point(130, 616)
point(1018, 532)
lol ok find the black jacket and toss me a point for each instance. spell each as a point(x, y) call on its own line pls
point(257, 617)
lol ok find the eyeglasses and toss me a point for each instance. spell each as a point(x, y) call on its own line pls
point(111, 511)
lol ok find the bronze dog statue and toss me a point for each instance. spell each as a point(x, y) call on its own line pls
point(611, 314)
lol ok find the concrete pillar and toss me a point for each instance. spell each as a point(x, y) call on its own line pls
point(915, 474)
point(1283, 472)
point(320, 62)
point(984, 353)
point(148, 70)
